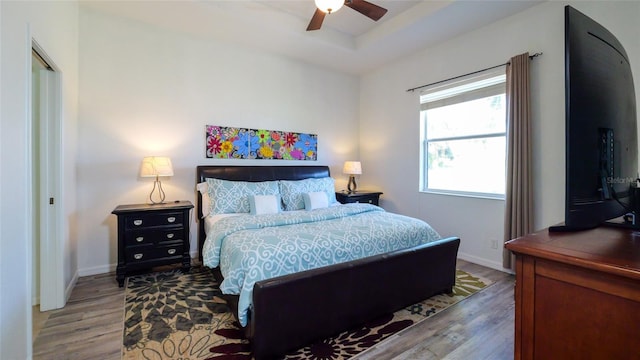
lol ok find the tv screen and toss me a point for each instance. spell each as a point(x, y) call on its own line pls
point(601, 126)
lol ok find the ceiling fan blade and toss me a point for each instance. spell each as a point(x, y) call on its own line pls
point(316, 20)
point(366, 8)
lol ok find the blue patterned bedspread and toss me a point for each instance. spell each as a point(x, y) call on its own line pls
point(250, 248)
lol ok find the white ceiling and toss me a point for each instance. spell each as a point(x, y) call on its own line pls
point(348, 41)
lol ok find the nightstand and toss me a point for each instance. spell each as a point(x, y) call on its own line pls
point(152, 235)
point(358, 197)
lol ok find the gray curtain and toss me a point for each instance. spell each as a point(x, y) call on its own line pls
point(518, 218)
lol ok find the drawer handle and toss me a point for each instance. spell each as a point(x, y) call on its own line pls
point(170, 236)
point(137, 222)
point(171, 251)
point(140, 239)
point(171, 219)
point(137, 256)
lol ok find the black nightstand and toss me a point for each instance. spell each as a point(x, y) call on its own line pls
point(152, 235)
point(358, 197)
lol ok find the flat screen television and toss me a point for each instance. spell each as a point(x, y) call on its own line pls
point(601, 128)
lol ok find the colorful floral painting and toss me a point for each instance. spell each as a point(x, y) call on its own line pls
point(240, 143)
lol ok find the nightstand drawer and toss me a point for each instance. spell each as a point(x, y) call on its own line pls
point(359, 197)
point(151, 219)
point(143, 253)
point(363, 199)
point(139, 253)
point(146, 236)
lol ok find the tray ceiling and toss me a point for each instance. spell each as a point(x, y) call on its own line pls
point(347, 42)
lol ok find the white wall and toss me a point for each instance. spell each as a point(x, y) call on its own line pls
point(149, 91)
point(3, 309)
point(389, 127)
point(55, 27)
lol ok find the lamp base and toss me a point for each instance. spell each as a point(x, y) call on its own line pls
point(160, 193)
point(351, 186)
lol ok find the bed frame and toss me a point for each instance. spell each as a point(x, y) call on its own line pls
point(295, 310)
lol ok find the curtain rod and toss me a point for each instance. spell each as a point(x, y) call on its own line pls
point(471, 73)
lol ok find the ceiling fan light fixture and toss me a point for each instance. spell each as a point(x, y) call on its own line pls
point(329, 6)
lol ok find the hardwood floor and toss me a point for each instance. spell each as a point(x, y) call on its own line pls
point(479, 327)
point(89, 326)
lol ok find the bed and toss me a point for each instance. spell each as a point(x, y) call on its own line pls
point(293, 310)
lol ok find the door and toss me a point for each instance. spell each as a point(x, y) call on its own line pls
point(47, 153)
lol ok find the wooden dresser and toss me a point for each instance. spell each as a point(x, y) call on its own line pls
point(577, 294)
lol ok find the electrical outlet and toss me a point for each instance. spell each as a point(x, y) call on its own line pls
point(494, 243)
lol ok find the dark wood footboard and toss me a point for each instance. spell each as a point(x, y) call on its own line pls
point(295, 310)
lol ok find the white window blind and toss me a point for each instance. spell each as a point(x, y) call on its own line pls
point(486, 84)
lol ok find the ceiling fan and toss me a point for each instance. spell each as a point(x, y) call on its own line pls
point(324, 7)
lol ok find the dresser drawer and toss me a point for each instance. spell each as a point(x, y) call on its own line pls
point(145, 220)
point(149, 236)
point(142, 253)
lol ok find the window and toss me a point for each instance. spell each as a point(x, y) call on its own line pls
point(463, 136)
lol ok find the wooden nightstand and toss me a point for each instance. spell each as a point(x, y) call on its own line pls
point(152, 235)
point(358, 197)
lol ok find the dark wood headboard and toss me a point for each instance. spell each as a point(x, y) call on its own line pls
point(250, 173)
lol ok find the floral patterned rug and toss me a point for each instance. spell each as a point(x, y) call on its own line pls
point(175, 315)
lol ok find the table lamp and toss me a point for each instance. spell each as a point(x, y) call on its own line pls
point(156, 166)
point(352, 168)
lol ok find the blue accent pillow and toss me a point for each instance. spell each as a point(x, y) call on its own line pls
point(292, 191)
point(229, 197)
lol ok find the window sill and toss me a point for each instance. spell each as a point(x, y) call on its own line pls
point(486, 196)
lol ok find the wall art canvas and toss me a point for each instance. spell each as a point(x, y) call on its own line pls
point(223, 142)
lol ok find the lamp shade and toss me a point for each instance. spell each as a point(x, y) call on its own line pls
point(329, 6)
point(352, 168)
point(153, 166)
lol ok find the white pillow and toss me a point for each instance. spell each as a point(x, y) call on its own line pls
point(315, 200)
point(203, 188)
point(264, 204)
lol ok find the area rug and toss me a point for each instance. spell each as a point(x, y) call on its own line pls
point(175, 315)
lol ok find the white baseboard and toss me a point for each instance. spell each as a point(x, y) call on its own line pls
point(105, 269)
point(484, 262)
point(96, 270)
point(69, 289)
